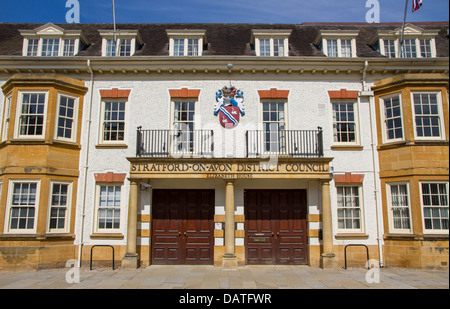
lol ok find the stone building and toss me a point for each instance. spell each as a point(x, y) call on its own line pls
point(224, 144)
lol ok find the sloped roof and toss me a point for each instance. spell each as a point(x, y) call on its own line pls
point(222, 39)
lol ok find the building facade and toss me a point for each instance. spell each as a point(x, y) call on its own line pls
point(223, 144)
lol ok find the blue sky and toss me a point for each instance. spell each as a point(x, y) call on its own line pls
point(213, 11)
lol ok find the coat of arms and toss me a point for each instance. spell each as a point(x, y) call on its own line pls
point(229, 106)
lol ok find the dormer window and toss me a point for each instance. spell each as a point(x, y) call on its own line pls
point(337, 43)
point(52, 41)
point(417, 42)
point(271, 43)
point(122, 43)
point(186, 42)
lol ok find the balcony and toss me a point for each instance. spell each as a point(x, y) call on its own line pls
point(174, 143)
point(285, 143)
point(200, 143)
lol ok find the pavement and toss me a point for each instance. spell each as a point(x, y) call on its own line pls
point(210, 277)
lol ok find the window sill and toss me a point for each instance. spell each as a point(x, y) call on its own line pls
point(417, 237)
point(22, 141)
point(115, 146)
point(347, 147)
point(396, 144)
point(351, 236)
point(25, 237)
point(107, 236)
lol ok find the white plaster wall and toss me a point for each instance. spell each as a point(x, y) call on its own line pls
point(308, 107)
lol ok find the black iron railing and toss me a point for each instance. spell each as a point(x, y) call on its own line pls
point(290, 143)
point(166, 143)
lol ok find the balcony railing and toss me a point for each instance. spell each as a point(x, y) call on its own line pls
point(289, 143)
point(200, 143)
point(176, 143)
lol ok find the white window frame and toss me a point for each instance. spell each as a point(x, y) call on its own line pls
point(118, 46)
point(185, 51)
point(186, 46)
point(355, 121)
point(9, 207)
point(339, 47)
point(51, 31)
point(61, 48)
point(439, 115)
point(96, 227)
point(417, 45)
point(118, 36)
point(6, 117)
point(383, 118)
point(390, 207)
point(338, 35)
point(74, 118)
point(281, 146)
point(174, 143)
point(361, 228)
point(21, 93)
point(102, 122)
point(67, 218)
point(432, 231)
point(272, 46)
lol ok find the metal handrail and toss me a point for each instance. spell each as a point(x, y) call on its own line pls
point(166, 143)
point(90, 262)
point(355, 245)
point(292, 143)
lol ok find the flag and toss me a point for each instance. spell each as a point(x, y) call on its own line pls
point(416, 5)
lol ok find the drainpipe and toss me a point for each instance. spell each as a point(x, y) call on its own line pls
point(86, 163)
point(374, 164)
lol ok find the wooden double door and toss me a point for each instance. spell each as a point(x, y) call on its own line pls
point(275, 224)
point(183, 227)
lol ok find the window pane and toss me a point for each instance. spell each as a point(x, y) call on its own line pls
point(33, 47)
point(332, 48)
point(278, 47)
point(184, 126)
point(344, 126)
point(114, 121)
point(23, 206)
point(50, 47)
point(435, 206)
point(65, 119)
point(264, 47)
point(400, 206)
point(393, 118)
point(178, 47)
point(389, 48)
point(349, 212)
point(59, 198)
point(69, 47)
point(427, 115)
point(125, 47)
point(110, 48)
point(193, 48)
point(346, 48)
point(409, 48)
point(109, 210)
point(31, 121)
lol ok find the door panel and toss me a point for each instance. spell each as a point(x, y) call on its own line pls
point(276, 226)
point(183, 227)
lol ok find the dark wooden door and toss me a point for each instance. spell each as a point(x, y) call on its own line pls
point(183, 227)
point(276, 226)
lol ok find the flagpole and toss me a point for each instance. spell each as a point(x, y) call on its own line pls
point(403, 29)
point(114, 20)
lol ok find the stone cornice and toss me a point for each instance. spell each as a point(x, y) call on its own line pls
point(218, 65)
